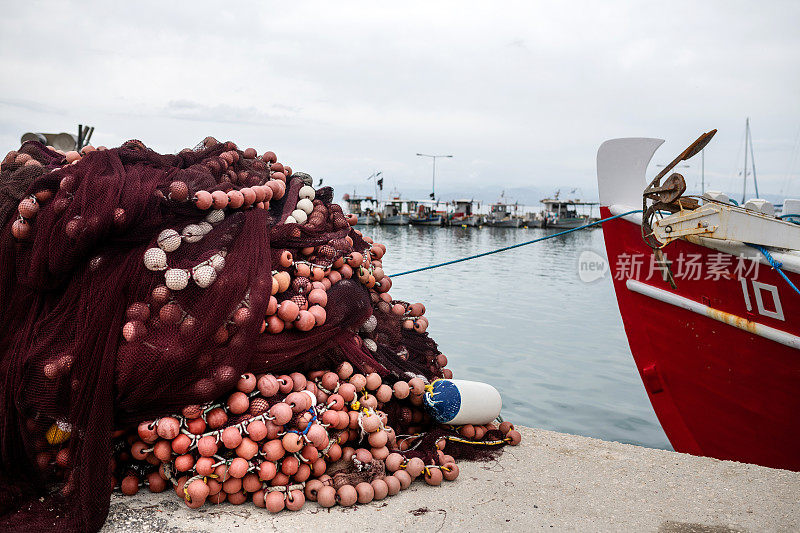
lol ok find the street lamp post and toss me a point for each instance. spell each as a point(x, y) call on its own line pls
point(433, 184)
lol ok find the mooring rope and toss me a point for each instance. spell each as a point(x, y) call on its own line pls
point(771, 260)
point(774, 263)
point(546, 237)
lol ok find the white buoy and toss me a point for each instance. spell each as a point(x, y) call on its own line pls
point(458, 402)
point(155, 259)
point(300, 216)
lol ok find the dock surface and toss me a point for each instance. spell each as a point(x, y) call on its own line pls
point(552, 481)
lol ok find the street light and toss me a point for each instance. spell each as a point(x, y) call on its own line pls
point(433, 184)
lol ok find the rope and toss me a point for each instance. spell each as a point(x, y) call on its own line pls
point(774, 264)
point(546, 237)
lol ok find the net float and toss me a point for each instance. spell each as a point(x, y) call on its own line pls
point(514, 437)
point(278, 188)
point(28, 208)
point(450, 471)
point(251, 483)
point(231, 485)
point(305, 320)
point(219, 200)
point(285, 383)
point(346, 495)
point(238, 467)
point(275, 502)
point(249, 196)
point(393, 485)
point(129, 485)
point(281, 412)
point(380, 453)
point(258, 498)
point(404, 478)
point(378, 439)
point(216, 418)
point(235, 199)
point(203, 200)
point(184, 463)
point(155, 483)
point(267, 385)
point(458, 402)
point(280, 480)
point(365, 492)
point(267, 470)
point(181, 444)
point(257, 430)
point(433, 476)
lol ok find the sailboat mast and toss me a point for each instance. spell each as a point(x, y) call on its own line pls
point(703, 171)
point(752, 157)
point(744, 172)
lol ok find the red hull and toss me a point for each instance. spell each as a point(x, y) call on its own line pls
point(717, 389)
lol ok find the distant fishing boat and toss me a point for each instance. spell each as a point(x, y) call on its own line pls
point(426, 215)
point(503, 214)
point(366, 217)
point(563, 214)
point(465, 214)
point(395, 211)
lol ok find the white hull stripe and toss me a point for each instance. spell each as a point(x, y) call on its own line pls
point(738, 322)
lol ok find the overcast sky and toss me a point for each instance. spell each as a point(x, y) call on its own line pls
point(521, 93)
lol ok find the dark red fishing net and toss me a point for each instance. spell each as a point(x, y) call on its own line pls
point(86, 344)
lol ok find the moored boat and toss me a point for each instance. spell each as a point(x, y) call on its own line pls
point(503, 214)
point(366, 216)
point(563, 214)
point(395, 211)
point(427, 215)
point(465, 214)
point(712, 327)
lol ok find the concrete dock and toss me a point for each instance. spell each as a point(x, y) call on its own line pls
point(552, 481)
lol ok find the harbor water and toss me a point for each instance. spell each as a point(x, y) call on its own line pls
point(524, 321)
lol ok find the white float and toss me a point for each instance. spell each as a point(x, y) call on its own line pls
point(458, 402)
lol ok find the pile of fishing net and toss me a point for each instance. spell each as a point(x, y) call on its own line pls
point(209, 321)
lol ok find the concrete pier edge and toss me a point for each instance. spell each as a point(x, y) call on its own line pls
point(552, 481)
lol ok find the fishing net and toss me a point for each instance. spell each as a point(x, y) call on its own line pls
point(135, 284)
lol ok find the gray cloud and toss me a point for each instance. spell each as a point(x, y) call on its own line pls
point(223, 113)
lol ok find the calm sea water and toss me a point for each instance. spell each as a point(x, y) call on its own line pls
point(523, 321)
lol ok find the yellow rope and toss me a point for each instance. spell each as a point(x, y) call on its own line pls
point(485, 443)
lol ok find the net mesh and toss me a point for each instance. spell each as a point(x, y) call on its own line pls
point(91, 339)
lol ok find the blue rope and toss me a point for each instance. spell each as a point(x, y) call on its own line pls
point(514, 245)
point(791, 218)
point(774, 263)
point(313, 419)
